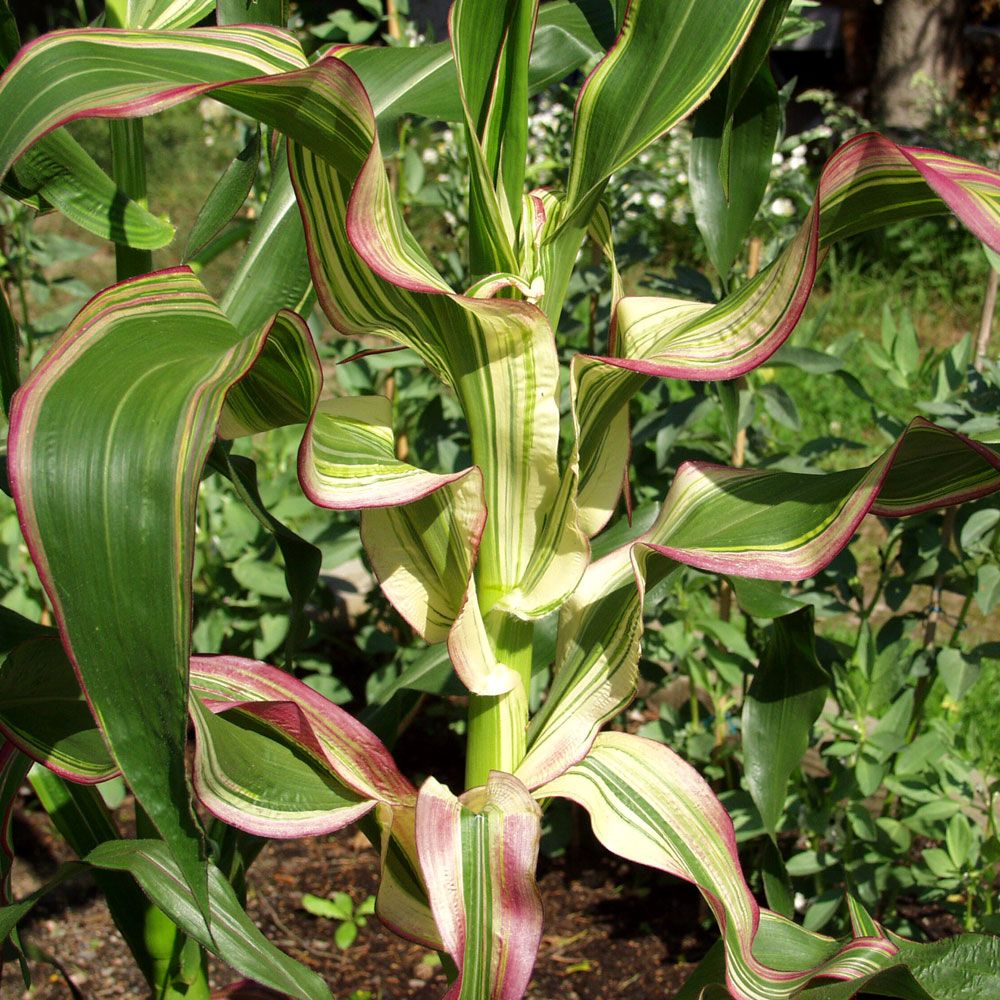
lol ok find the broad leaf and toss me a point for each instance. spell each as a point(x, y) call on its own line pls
point(259, 780)
point(868, 182)
point(60, 172)
point(299, 714)
point(140, 377)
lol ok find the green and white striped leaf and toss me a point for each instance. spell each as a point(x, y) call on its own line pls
point(597, 660)
point(140, 377)
point(283, 385)
point(349, 462)
point(351, 751)
point(478, 855)
point(263, 782)
point(868, 182)
point(422, 80)
point(668, 57)
point(728, 521)
point(158, 15)
point(491, 42)
point(44, 713)
point(61, 172)
point(648, 805)
point(129, 73)
point(402, 903)
point(502, 351)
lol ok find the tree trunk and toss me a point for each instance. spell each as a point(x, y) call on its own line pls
point(919, 62)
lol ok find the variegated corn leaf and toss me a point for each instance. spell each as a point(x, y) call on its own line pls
point(650, 806)
point(868, 182)
point(728, 521)
point(478, 855)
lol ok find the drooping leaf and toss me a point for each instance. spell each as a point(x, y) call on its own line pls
point(868, 182)
point(132, 72)
point(726, 520)
point(140, 377)
point(260, 781)
point(478, 855)
point(233, 936)
point(648, 805)
point(322, 729)
point(60, 172)
point(83, 820)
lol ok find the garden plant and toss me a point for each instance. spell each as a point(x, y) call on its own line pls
point(144, 391)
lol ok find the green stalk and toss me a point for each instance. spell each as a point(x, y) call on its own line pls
point(498, 725)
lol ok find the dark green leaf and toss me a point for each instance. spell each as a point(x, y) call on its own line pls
point(783, 702)
point(226, 198)
point(724, 211)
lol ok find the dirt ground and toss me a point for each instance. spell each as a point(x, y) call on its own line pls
point(610, 931)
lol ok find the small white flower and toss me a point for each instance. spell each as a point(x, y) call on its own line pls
point(447, 136)
point(777, 159)
point(644, 158)
point(823, 131)
point(800, 903)
point(799, 150)
point(450, 218)
point(657, 201)
point(782, 207)
point(682, 178)
point(429, 155)
point(796, 162)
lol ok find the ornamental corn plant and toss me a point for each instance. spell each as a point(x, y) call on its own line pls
point(113, 430)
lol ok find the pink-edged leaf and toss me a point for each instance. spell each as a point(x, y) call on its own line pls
point(868, 182)
point(264, 780)
point(650, 806)
point(107, 442)
point(44, 713)
point(788, 526)
point(352, 752)
point(745, 522)
point(478, 855)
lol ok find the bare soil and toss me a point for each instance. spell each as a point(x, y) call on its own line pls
point(610, 930)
